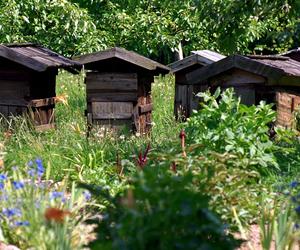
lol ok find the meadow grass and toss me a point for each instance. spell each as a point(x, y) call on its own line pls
point(68, 152)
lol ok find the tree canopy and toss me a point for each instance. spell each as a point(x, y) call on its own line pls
point(155, 28)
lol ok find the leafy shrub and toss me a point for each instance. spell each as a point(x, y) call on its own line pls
point(224, 125)
point(36, 213)
point(162, 211)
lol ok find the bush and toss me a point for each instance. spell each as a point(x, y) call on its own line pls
point(162, 211)
point(224, 125)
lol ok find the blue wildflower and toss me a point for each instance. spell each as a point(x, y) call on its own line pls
point(31, 172)
point(294, 184)
point(3, 177)
point(10, 212)
point(296, 226)
point(40, 167)
point(21, 223)
point(297, 209)
point(294, 199)
point(87, 195)
point(18, 185)
point(30, 164)
point(55, 195)
point(1, 185)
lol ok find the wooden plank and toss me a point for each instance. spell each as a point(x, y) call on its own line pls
point(3, 111)
point(112, 81)
point(112, 110)
point(42, 102)
point(9, 54)
point(113, 97)
point(145, 108)
point(237, 77)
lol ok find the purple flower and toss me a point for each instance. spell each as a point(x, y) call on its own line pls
point(18, 185)
point(87, 195)
point(55, 195)
point(40, 167)
point(297, 209)
point(21, 223)
point(10, 212)
point(3, 177)
point(30, 164)
point(31, 172)
point(294, 184)
point(1, 185)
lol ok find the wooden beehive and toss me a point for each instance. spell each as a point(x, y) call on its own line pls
point(118, 88)
point(27, 82)
point(185, 101)
point(273, 79)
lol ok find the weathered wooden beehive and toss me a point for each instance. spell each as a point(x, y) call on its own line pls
point(118, 87)
point(185, 100)
point(27, 81)
point(274, 79)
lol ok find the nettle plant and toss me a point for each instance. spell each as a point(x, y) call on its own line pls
point(39, 214)
point(223, 125)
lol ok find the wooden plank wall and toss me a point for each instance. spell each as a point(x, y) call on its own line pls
point(287, 103)
point(111, 98)
point(143, 109)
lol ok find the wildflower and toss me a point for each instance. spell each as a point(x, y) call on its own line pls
point(21, 223)
point(40, 167)
point(142, 158)
point(30, 164)
point(3, 177)
point(10, 212)
point(87, 195)
point(55, 195)
point(1, 185)
point(31, 172)
point(294, 199)
point(15, 168)
point(297, 209)
point(296, 226)
point(18, 185)
point(294, 184)
point(56, 214)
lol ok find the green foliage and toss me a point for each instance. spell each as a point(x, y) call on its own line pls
point(79, 26)
point(163, 211)
point(224, 125)
point(59, 25)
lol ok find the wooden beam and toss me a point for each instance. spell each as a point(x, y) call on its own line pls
point(145, 108)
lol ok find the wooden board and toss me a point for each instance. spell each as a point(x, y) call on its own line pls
point(112, 97)
point(112, 110)
point(111, 81)
point(287, 103)
point(181, 100)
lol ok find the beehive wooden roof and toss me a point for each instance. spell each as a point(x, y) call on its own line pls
point(277, 69)
point(124, 55)
point(200, 57)
point(36, 57)
point(293, 54)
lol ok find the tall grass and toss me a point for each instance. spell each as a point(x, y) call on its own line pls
point(68, 151)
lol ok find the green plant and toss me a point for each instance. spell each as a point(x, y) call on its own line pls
point(162, 210)
point(224, 125)
point(40, 214)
